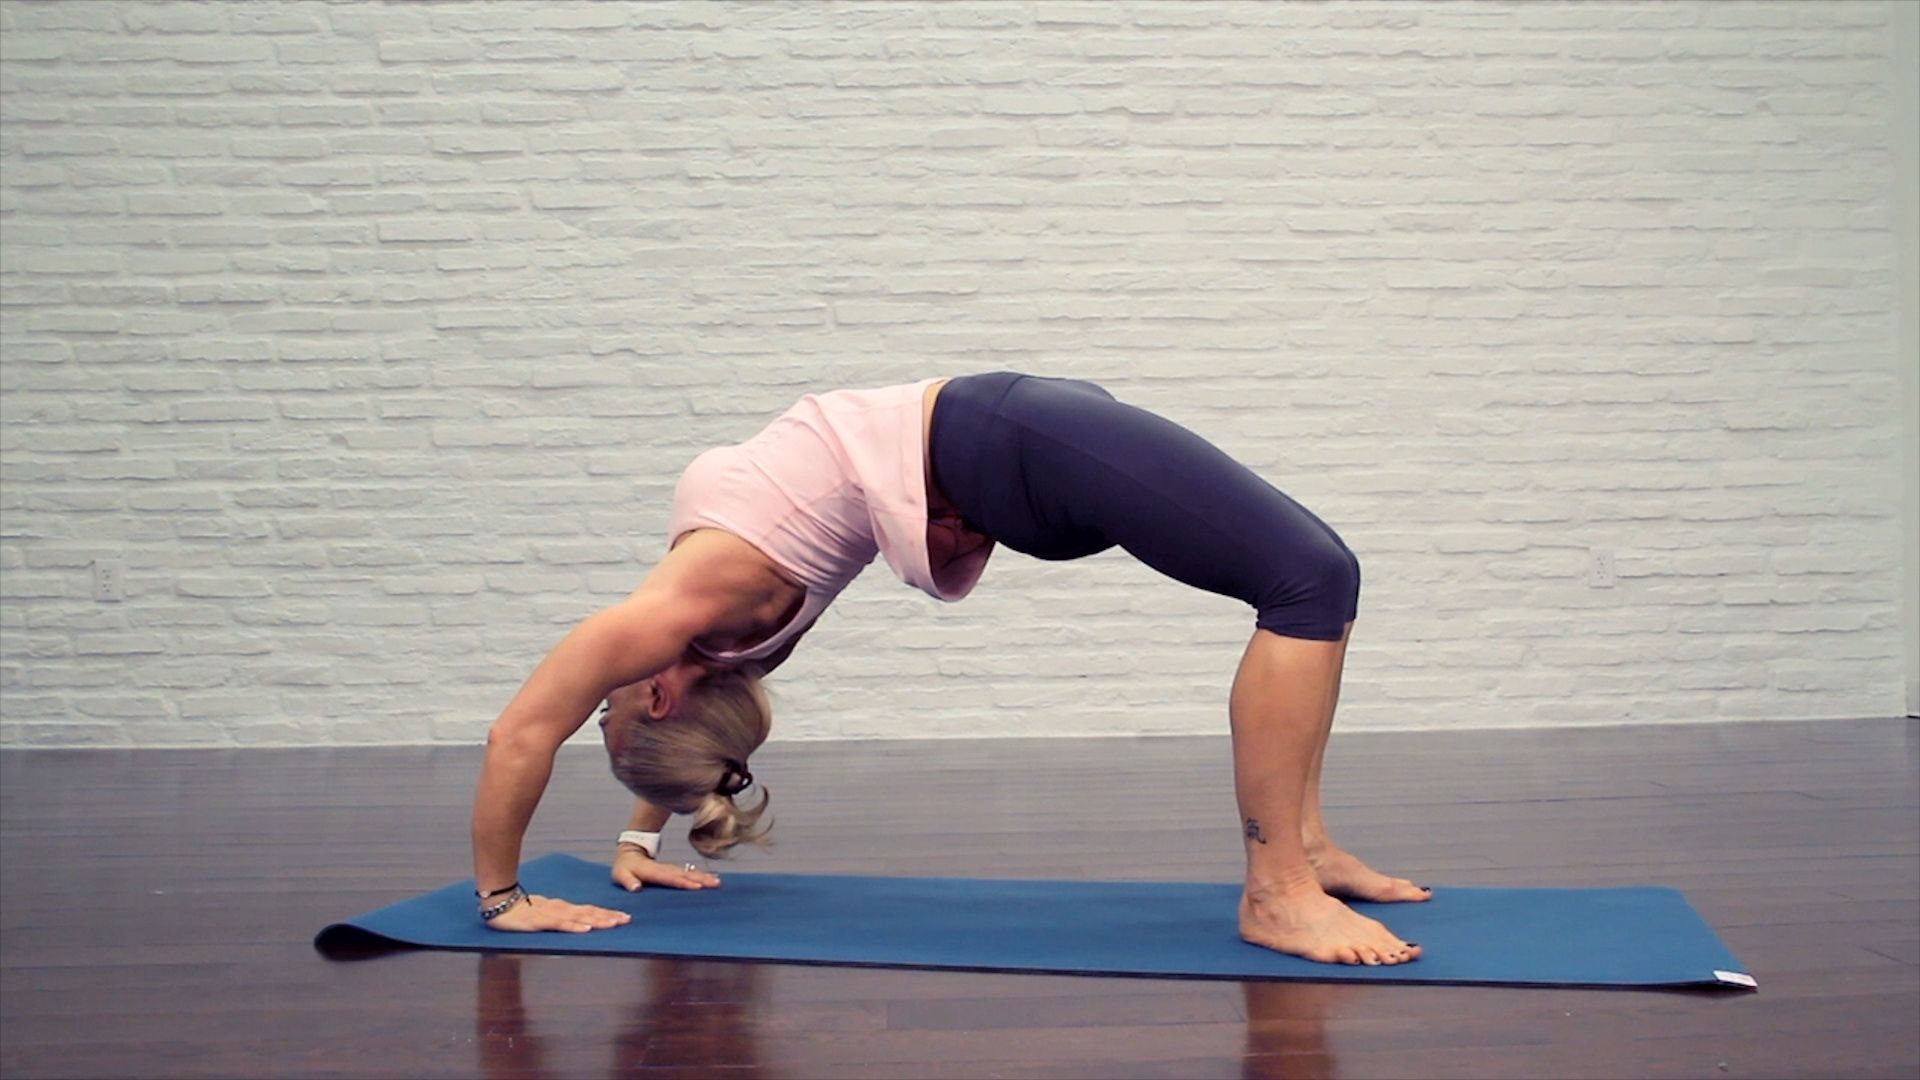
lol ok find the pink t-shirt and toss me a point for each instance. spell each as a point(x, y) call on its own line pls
point(832, 482)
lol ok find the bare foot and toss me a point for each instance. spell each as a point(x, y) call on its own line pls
point(1344, 875)
point(1310, 924)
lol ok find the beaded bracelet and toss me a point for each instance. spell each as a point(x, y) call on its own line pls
point(488, 914)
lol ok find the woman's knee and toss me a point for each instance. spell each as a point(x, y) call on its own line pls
point(1319, 595)
point(1340, 580)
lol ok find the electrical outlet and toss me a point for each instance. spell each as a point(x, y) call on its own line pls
point(109, 586)
point(1600, 573)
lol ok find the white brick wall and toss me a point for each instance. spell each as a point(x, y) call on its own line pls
point(372, 338)
point(1905, 92)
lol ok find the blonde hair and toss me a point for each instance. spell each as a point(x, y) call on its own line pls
point(694, 760)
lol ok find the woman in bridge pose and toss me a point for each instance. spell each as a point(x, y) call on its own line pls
point(931, 475)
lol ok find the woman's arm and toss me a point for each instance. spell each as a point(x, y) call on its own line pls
point(634, 869)
point(631, 641)
point(647, 817)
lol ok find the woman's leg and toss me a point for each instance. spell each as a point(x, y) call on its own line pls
point(1059, 469)
point(1282, 691)
point(1340, 873)
point(1313, 826)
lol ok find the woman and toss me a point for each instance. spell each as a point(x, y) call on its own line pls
point(932, 475)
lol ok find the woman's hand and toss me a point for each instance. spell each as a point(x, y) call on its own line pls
point(545, 913)
point(634, 869)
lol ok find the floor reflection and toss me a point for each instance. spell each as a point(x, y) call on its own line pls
point(647, 1013)
point(681, 1012)
point(1287, 1027)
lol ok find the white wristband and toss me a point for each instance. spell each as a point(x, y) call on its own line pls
point(648, 842)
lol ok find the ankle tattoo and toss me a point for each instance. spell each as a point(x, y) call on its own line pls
point(1253, 830)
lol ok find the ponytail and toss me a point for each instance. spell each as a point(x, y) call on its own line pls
point(720, 823)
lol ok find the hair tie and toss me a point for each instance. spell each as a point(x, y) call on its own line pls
point(734, 769)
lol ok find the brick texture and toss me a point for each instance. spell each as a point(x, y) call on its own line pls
point(371, 338)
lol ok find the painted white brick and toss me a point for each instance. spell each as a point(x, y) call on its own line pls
point(337, 322)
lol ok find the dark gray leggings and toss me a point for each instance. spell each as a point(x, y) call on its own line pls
point(1059, 469)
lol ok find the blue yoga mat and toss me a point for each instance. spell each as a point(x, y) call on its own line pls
point(1638, 936)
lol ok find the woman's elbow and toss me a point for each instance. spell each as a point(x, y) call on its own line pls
point(511, 743)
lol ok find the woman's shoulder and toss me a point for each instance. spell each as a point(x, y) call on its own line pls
point(735, 586)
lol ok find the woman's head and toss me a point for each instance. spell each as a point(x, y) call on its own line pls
point(681, 740)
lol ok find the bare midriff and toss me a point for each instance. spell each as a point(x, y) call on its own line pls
point(949, 538)
point(937, 502)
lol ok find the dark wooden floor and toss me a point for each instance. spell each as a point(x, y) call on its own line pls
point(156, 909)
